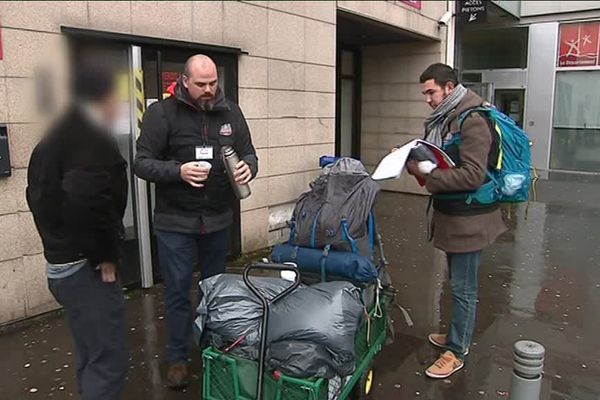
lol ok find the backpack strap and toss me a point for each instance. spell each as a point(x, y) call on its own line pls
point(487, 112)
point(371, 228)
point(482, 110)
point(346, 235)
point(292, 224)
point(323, 263)
point(313, 234)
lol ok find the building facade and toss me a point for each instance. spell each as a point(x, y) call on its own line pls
point(312, 77)
point(539, 62)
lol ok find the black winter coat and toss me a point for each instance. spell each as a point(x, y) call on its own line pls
point(77, 191)
point(172, 131)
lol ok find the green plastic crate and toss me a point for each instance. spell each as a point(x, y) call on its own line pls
point(228, 377)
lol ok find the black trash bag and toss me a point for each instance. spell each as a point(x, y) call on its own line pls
point(305, 360)
point(229, 310)
point(326, 314)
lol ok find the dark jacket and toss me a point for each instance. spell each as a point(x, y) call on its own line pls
point(77, 191)
point(172, 130)
point(455, 231)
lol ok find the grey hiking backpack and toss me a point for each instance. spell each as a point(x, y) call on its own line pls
point(337, 212)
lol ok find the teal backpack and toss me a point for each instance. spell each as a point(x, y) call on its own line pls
point(510, 179)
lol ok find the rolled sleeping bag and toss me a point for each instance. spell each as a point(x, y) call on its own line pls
point(339, 263)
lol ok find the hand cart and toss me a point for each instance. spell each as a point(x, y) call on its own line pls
point(228, 377)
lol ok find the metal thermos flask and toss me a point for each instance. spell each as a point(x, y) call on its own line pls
point(231, 159)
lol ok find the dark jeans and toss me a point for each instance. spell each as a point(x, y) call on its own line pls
point(179, 253)
point(96, 314)
point(464, 268)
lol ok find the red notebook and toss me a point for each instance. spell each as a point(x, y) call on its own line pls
point(392, 165)
point(423, 151)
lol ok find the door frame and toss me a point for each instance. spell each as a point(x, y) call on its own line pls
point(142, 212)
point(142, 207)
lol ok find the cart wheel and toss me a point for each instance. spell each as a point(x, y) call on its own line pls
point(363, 386)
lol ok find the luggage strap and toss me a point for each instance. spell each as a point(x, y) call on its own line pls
point(324, 262)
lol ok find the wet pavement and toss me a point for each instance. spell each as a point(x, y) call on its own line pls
point(541, 281)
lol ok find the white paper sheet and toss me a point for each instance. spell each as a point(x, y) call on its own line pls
point(392, 165)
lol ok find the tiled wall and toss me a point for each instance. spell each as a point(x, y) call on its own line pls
point(287, 91)
point(393, 106)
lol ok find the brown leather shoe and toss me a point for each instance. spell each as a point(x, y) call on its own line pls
point(177, 376)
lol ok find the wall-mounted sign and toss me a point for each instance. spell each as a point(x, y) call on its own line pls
point(168, 78)
point(579, 44)
point(413, 3)
point(472, 11)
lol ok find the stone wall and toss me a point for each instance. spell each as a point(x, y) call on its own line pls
point(393, 106)
point(286, 90)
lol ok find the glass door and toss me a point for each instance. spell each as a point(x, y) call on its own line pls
point(511, 102)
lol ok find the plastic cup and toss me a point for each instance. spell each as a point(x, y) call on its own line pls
point(204, 165)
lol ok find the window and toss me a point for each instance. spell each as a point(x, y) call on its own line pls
point(576, 129)
point(495, 49)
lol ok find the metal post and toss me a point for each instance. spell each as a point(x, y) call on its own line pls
point(141, 188)
point(528, 367)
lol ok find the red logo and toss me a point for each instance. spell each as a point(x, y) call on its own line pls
point(579, 44)
point(226, 130)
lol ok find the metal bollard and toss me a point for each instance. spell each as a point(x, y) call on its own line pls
point(528, 367)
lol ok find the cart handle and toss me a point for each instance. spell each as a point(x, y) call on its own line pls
point(265, 308)
point(270, 267)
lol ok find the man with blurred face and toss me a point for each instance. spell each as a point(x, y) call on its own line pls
point(77, 192)
point(179, 149)
point(462, 229)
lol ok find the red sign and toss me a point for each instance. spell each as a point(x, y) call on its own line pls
point(579, 44)
point(168, 78)
point(415, 3)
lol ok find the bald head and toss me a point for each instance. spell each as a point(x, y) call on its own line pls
point(200, 78)
point(199, 63)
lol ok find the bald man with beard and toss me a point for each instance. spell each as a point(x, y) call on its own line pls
point(193, 212)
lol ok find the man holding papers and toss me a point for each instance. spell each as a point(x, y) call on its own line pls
point(460, 228)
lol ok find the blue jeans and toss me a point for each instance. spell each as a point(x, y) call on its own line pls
point(96, 314)
point(463, 269)
point(178, 254)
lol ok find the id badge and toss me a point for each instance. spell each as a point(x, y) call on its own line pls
point(204, 152)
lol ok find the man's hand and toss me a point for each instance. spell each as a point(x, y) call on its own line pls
point(193, 174)
point(412, 167)
point(242, 175)
point(109, 272)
